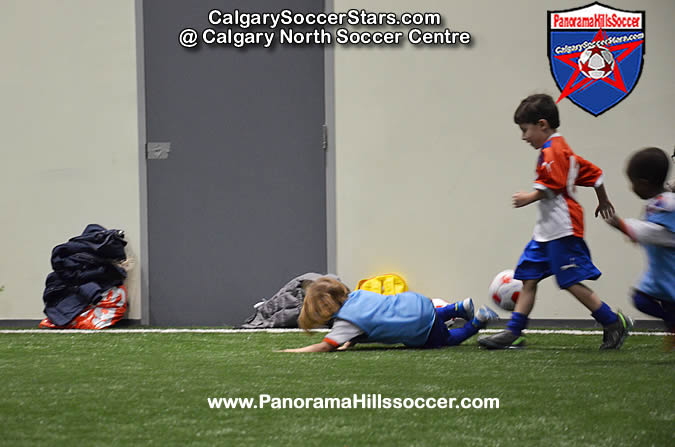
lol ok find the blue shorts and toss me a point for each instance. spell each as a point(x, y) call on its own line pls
point(567, 258)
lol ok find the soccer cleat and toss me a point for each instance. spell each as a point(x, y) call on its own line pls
point(502, 340)
point(615, 334)
point(483, 316)
point(466, 309)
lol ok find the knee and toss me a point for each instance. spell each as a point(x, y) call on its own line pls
point(646, 304)
point(640, 301)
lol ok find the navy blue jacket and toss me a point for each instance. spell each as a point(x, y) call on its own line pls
point(84, 267)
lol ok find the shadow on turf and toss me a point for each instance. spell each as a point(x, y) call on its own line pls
point(603, 361)
point(366, 347)
point(464, 347)
point(362, 347)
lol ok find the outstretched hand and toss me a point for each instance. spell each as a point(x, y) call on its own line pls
point(317, 347)
point(605, 209)
point(520, 199)
point(346, 345)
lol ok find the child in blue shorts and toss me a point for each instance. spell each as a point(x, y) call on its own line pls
point(557, 246)
point(363, 316)
point(654, 294)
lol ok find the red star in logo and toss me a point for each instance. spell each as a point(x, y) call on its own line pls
point(617, 82)
point(584, 66)
point(596, 50)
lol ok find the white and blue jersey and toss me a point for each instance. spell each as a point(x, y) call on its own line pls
point(656, 233)
point(557, 246)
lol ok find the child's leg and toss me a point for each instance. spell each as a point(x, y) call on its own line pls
point(669, 309)
point(460, 309)
point(482, 318)
point(571, 263)
point(616, 326)
point(602, 313)
point(533, 266)
point(440, 336)
point(457, 336)
point(659, 309)
point(524, 306)
point(525, 301)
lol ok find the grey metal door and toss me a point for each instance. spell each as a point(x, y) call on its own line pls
point(238, 207)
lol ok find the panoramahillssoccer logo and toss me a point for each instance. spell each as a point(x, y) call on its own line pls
point(596, 54)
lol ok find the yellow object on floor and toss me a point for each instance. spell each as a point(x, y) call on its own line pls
point(389, 284)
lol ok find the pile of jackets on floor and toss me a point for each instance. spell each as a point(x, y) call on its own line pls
point(283, 308)
point(85, 290)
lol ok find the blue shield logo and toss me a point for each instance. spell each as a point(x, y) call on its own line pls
point(596, 54)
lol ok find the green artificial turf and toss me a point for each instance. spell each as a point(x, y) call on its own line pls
point(152, 389)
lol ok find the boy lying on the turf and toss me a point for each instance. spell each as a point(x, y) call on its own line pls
point(407, 318)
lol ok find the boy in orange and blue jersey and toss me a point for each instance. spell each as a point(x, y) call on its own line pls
point(557, 246)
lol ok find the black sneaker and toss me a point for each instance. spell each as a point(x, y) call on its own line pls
point(615, 334)
point(502, 340)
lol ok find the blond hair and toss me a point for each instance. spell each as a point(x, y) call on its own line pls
point(324, 299)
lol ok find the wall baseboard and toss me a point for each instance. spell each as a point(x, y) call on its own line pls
point(589, 324)
point(533, 324)
point(33, 324)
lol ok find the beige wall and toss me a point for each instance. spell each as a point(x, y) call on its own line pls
point(69, 149)
point(428, 155)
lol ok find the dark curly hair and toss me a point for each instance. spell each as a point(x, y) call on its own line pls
point(649, 164)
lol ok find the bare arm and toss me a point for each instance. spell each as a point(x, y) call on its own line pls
point(643, 232)
point(616, 222)
point(317, 347)
point(605, 207)
point(522, 198)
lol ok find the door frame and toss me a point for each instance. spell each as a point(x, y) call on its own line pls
point(143, 262)
point(331, 180)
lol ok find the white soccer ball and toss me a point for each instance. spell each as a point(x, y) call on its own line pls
point(596, 62)
point(505, 290)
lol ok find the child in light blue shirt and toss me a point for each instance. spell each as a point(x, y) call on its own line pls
point(408, 318)
point(654, 293)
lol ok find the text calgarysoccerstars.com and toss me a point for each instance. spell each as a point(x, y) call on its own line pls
point(356, 401)
point(240, 29)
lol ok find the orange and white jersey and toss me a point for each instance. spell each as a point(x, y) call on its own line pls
point(559, 172)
